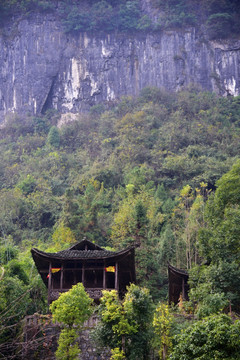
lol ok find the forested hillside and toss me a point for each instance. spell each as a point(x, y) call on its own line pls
point(144, 172)
point(159, 171)
point(129, 174)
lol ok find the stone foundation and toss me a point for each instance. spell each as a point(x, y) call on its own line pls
point(40, 339)
point(88, 349)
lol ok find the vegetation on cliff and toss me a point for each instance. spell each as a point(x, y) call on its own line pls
point(220, 18)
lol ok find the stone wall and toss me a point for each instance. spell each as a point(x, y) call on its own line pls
point(87, 346)
point(40, 340)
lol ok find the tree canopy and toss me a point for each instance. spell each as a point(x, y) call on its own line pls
point(159, 171)
point(221, 18)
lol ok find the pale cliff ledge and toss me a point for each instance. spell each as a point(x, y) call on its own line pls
point(41, 67)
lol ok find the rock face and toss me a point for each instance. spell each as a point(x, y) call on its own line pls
point(41, 67)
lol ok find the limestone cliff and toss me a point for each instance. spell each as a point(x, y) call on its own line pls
point(41, 67)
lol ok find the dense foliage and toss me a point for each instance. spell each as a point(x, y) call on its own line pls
point(85, 15)
point(217, 284)
point(138, 173)
point(141, 172)
point(126, 326)
point(22, 293)
point(162, 324)
point(219, 18)
point(216, 337)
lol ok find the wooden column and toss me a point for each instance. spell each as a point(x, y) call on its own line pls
point(50, 276)
point(116, 276)
point(104, 275)
point(169, 292)
point(75, 273)
point(61, 277)
point(49, 281)
point(95, 278)
point(183, 289)
point(83, 273)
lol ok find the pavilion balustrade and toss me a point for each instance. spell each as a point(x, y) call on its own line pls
point(62, 277)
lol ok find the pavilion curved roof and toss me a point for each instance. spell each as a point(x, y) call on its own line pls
point(176, 271)
point(79, 254)
point(83, 250)
point(85, 244)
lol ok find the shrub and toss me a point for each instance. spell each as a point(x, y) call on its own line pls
point(76, 20)
point(129, 15)
point(27, 185)
point(219, 25)
point(215, 337)
point(53, 138)
point(102, 17)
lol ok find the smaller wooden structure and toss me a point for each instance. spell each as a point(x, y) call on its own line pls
point(96, 268)
point(177, 284)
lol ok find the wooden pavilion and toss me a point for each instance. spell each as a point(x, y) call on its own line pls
point(177, 284)
point(86, 262)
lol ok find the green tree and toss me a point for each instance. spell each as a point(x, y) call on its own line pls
point(214, 288)
point(215, 285)
point(162, 323)
point(219, 240)
point(216, 337)
point(63, 237)
point(187, 220)
point(139, 213)
point(219, 25)
point(15, 300)
point(138, 221)
point(86, 213)
point(126, 325)
point(167, 247)
point(27, 185)
point(53, 138)
point(117, 354)
point(71, 310)
point(129, 15)
point(102, 16)
point(8, 251)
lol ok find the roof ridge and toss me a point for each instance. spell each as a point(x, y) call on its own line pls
point(74, 254)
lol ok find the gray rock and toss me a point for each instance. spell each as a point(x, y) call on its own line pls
point(41, 67)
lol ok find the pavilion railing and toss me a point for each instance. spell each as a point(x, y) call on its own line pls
point(94, 293)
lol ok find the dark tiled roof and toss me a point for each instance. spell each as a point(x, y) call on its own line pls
point(78, 254)
point(175, 270)
point(85, 243)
